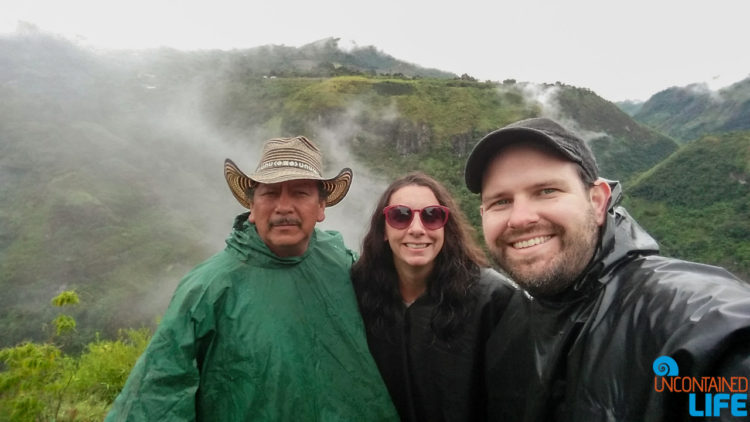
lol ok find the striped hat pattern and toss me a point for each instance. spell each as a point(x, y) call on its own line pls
point(285, 159)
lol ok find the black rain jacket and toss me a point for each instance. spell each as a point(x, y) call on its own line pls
point(588, 354)
point(435, 380)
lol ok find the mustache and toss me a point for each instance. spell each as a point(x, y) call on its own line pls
point(285, 221)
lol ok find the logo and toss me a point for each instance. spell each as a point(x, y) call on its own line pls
point(707, 396)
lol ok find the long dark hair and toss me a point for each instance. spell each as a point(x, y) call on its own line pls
point(456, 267)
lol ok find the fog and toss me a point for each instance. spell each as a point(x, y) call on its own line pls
point(352, 215)
point(545, 96)
point(154, 134)
point(103, 144)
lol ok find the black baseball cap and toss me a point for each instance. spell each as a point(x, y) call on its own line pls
point(538, 129)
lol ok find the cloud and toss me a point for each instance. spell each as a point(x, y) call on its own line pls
point(351, 216)
point(545, 96)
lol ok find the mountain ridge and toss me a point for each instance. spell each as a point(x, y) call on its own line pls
point(690, 112)
point(111, 163)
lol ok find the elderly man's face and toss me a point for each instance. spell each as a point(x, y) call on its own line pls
point(285, 215)
point(540, 222)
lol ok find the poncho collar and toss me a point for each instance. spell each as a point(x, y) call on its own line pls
point(247, 245)
point(621, 236)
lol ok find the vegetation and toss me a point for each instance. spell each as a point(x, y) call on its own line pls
point(112, 187)
point(623, 148)
point(697, 202)
point(40, 382)
point(630, 107)
point(687, 113)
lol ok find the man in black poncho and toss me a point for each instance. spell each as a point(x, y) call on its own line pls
point(605, 329)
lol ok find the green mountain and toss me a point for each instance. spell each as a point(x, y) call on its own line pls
point(697, 202)
point(630, 107)
point(111, 162)
point(326, 58)
point(623, 147)
point(687, 113)
point(92, 196)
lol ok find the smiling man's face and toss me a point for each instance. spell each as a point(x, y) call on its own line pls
point(540, 222)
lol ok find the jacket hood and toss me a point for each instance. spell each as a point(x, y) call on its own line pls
point(245, 243)
point(620, 237)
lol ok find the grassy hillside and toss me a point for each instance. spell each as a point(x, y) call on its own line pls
point(697, 202)
point(82, 206)
point(396, 124)
point(390, 125)
point(111, 162)
point(99, 188)
point(631, 107)
point(687, 113)
point(623, 147)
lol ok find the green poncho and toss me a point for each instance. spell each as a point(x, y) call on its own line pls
point(251, 336)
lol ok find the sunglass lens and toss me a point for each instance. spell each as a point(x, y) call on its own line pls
point(399, 217)
point(433, 218)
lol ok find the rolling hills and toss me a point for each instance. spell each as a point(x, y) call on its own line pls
point(687, 113)
point(110, 161)
point(696, 203)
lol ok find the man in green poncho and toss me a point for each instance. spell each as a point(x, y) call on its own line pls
point(268, 329)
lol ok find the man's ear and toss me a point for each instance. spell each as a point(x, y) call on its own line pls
point(599, 195)
point(322, 212)
point(249, 196)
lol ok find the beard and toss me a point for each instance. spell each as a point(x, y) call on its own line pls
point(542, 277)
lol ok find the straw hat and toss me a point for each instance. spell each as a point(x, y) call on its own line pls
point(286, 159)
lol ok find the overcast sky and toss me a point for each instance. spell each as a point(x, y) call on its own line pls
point(621, 50)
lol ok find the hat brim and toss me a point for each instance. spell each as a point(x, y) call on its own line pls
point(487, 148)
point(240, 184)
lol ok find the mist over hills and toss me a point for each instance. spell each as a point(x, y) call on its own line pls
point(687, 113)
point(98, 174)
point(111, 161)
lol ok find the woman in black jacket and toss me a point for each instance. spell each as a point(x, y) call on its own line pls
point(428, 302)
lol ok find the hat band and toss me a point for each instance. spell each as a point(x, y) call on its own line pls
point(288, 163)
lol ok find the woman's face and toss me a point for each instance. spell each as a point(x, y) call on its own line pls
point(415, 246)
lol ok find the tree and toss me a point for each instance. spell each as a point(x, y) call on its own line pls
point(39, 382)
